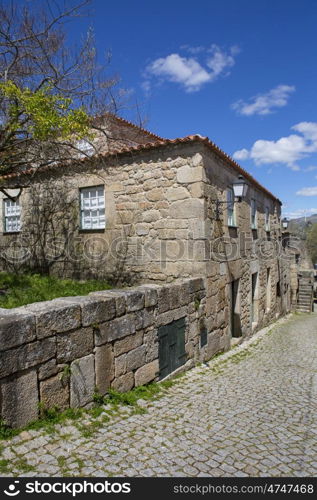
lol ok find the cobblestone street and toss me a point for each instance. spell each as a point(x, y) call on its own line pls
point(250, 412)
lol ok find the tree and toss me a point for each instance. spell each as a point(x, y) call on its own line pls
point(48, 91)
point(47, 235)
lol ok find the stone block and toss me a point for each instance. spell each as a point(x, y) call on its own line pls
point(150, 294)
point(197, 159)
point(184, 293)
point(191, 208)
point(54, 316)
point(163, 299)
point(26, 356)
point(128, 343)
point(135, 358)
point(148, 317)
point(174, 296)
point(152, 345)
point(142, 229)
point(176, 193)
point(213, 344)
point(19, 399)
point(155, 194)
point(104, 365)
point(146, 373)
point(117, 295)
point(54, 392)
point(196, 285)
point(124, 383)
point(120, 298)
point(120, 365)
point(82, 381)
point(48, 369)
point(74, 345)
point(151, 215)
point(135, 300)
point(16, 328)
point(165, 318)
point(115, 329)
point(98, 310)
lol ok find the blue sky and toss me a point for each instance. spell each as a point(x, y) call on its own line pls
point(242, 72)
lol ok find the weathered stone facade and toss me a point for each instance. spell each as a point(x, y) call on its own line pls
point(161, 226)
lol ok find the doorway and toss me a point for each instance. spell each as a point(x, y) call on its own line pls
point(254, 298)
point(172, 352)
point(235, 309)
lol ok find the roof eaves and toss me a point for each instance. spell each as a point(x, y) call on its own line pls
point(154, 145)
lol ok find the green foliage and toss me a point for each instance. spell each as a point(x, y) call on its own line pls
point(311, 242)
point(43, 113)
point(6, 432)
point(4, 464)
point(29, 288)
point(66, 373)
point(97, 397)
point(130, 398)
point(99, 415)
point(197, 303)
point(23, 466)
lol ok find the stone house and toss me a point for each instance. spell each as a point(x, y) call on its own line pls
point(144, 210)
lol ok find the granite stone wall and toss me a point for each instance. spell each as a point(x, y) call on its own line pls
point(58, 353)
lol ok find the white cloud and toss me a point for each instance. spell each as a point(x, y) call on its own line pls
point(309, 191)
point(311, 168)
point(241, 154)
point(286, 150)
point(308, 129)
point(264, 104)
point(193, 50)
point(190, 72)
point(219, 61)
point(301, 212)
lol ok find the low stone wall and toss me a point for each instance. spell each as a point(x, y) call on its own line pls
point(58, 353)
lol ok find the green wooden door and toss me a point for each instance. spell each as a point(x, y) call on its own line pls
point(172, 352)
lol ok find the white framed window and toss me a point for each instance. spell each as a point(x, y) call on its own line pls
point(267, 219)
point(12, 216)
point(253, 214)
point(92, 208)
point(85, 148)
point(231, 208)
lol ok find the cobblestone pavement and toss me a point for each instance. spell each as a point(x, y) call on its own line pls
point(251, 412)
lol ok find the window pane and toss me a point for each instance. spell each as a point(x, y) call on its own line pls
point(12, 211)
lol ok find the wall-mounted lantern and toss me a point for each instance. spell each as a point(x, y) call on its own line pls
point(285, 223)
point(240, 188)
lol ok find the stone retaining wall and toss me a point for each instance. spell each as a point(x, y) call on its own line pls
point(58, 353)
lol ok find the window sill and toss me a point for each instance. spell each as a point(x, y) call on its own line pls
point(11, 232)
